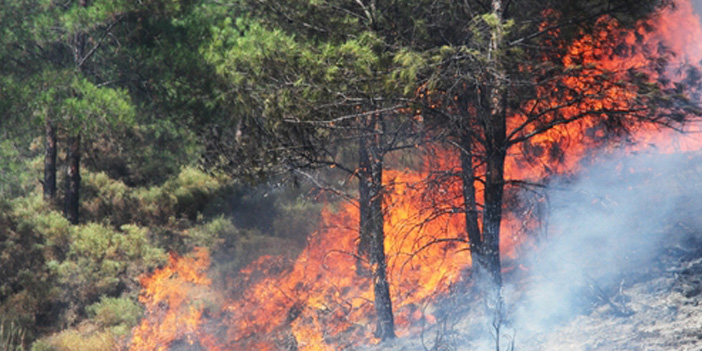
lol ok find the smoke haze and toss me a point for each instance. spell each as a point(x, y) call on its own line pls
point(607, 228)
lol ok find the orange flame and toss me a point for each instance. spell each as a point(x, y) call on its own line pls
point(171, 296)
point(323, 303)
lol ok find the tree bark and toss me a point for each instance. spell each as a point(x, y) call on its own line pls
point(475, 237)
point(365, 235)
point(495, 153)
point(371, 226)
point(72, 202)
point(496, 150)
point(72, 198)
point(49, 182)
point(492, 214)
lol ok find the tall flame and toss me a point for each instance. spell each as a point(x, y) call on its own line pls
point(322, 302)
point(172, 297)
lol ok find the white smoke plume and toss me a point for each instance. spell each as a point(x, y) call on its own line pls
point(607, 228)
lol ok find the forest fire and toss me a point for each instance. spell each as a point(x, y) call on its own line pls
point(325, 300)
point(172, 295)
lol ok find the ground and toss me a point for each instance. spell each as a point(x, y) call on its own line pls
point(657, 307)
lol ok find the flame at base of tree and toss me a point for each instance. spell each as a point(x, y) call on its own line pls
point(322, 302)
point(325, 299)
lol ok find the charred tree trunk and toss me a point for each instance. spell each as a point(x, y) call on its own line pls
point(365, 234)
point(49, 182)
point(495, 152)
point(371, 226)
point(475, 237)
point(72, 202)
point(383, 304)
point(492, 208)
point(467, 144)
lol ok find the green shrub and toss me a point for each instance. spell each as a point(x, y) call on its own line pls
point(218, 231)
point(99, 253)
point(185, 196)
point(101, 260)
point(16, 172)
point(103, 198)
point(115, 312)
point(42, 345)
point(25, 281)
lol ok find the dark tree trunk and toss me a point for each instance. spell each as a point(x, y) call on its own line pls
point(383, 304)
point(50, 162)
point(495, 152)
point(467, 146)
point(492, 212)
point(371, 226)
point(484, 126)
point(365, 235)
point(72, 198)
point(72, 203)
point(475, 237)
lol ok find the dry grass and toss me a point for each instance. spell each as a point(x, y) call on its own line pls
point(80, 340)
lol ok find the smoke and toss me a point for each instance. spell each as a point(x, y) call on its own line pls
point(697, 6)
point(607, 228)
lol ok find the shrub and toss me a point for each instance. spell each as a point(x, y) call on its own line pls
point(115, 312)
point(218, 231)
point(101, 260)
point(75, 340)
point(103, 198)
point(185, 196)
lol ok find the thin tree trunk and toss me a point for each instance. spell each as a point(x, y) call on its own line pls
point(49, 182)
point(496, 151)
point(383, 304)
point(492, 214)
point(372, 221)
point(475, 238)
point(365, 235)
point(72, 202)
point(468, 176)
point(495, 137)
point(72, 198)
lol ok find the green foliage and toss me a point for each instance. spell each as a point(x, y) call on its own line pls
point(89, 107)
point(409, 64)
point(25, 282)
point(79, 19)
point(41, 345)
point(185, 196)
point(153, 152)
point(84, 261)
point(100, 258)
point(15, 177)
point(115, 312)
point(212, 234)
point(105, 198)
point(54, 270)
